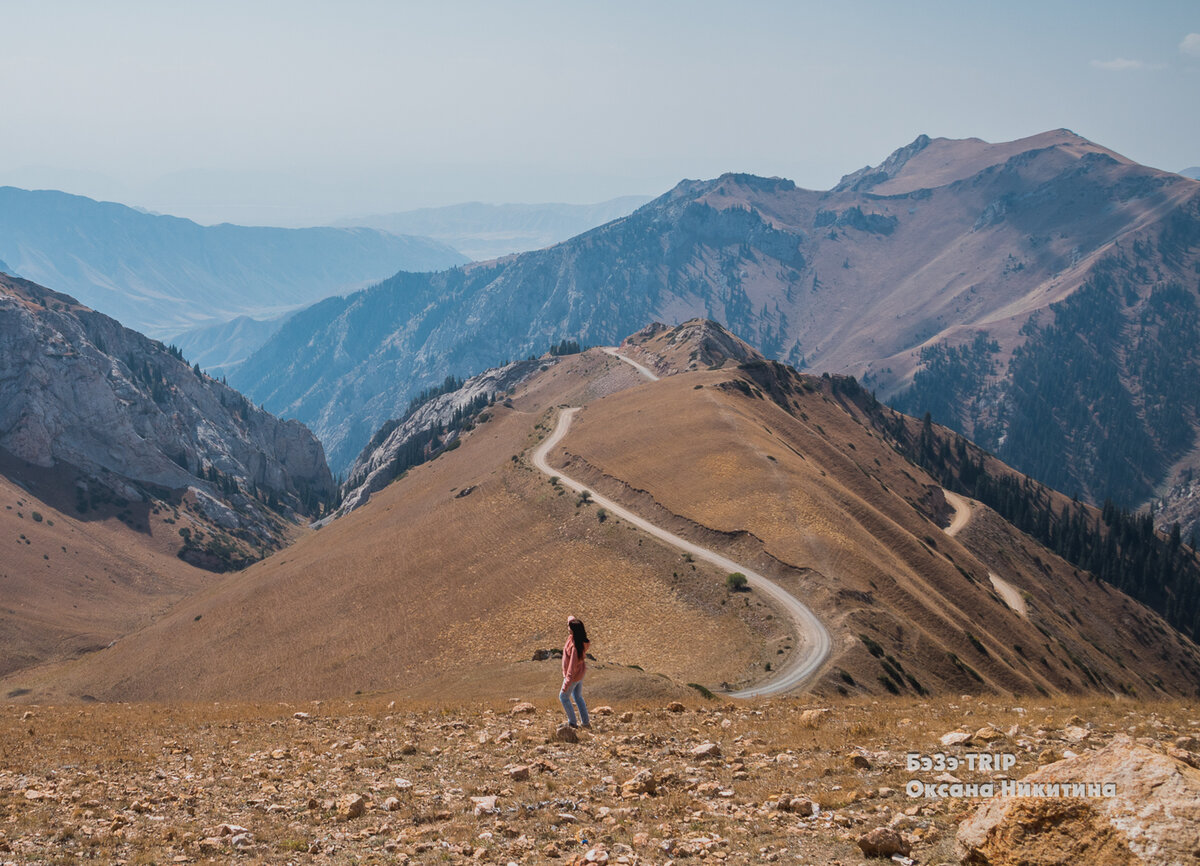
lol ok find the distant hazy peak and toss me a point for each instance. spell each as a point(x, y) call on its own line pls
point(1193, 172)
point(488, 231)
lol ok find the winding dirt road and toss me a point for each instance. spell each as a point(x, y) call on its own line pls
point(962, 516)
point(814, 644)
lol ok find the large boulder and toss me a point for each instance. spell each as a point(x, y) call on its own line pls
point(1149, 813)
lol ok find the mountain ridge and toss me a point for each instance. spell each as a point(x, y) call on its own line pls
point(162, 274)
point(890, 276)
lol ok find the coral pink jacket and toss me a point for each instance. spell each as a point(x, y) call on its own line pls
point(574, 667)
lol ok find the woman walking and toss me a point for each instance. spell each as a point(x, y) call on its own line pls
point(574, 664)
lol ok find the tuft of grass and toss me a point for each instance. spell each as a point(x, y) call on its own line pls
point(872, 647)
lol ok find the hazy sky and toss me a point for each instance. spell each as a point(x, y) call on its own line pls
point(297, 112)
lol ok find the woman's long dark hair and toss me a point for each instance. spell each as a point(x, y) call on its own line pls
point(579, 635)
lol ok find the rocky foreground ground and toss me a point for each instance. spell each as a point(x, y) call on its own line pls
point(785, 781)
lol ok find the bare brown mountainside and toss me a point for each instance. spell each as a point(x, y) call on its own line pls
point(127, 476)
point(70, 585)
point(1038, 295)
point(449, 579)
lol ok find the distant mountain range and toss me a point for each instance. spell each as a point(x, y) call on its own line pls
point(488, 231)
point(1193, 172)
point(1038, 295)
point(162, 275)
point(220, 348)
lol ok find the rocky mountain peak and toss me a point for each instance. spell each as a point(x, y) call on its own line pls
point(867, 177)
point(137, 423)
point(432, 424)
point(692, 345)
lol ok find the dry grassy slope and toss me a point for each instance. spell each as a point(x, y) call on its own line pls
point(811, 495)
point(67, 585)
point(424, 591)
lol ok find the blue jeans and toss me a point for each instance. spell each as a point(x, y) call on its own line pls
point(575, 690)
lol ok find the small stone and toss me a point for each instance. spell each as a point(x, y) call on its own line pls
point(351, 806)
point(1075, 734)
point(602, 711)
point(955, 738)
point(706, 750)
point(643, 782)
point(402, 784)
point(566, 734)
point(795, 805)
point(551, 850)
point(303, 717)
point(883, 842)
point(211, 845)
point(626, 716)
point(858, 762)
point(812, 718)
point(484, 804)
point(242, 841)
point(988, 735)
point(675, 707)
point(391, 804)
point(518, 772)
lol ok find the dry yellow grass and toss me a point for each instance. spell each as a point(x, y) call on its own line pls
point(423, 585)
point(72, 585)
point(448, 580)
point(802, 486)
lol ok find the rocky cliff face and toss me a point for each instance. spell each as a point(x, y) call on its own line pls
point(427, 429)
point(136, 421)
